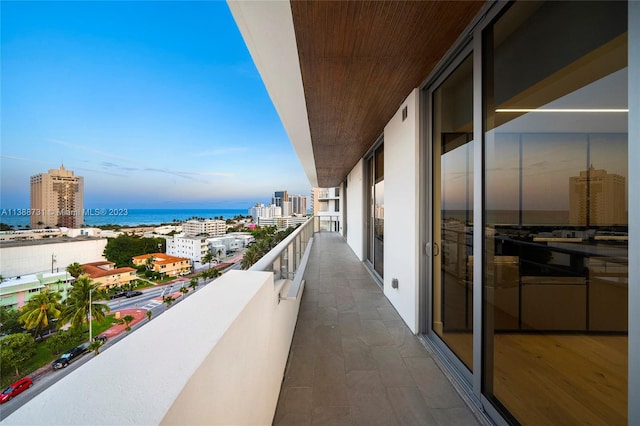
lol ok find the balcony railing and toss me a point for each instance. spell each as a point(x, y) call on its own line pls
point(217, 357)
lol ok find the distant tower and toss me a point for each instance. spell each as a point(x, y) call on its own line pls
point(57, 199)
point(279, 197)
point(298, 204)
point(597, 198)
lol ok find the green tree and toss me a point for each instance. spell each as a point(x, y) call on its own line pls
point(63, 339)
point(193, 283)
point(122, 249)
point(168, 300)
point(16, 350)
point(76, 308)
point(214, 273)
point(126, 320)
point(9, 320)
point(75, 270)
point(184, 290)
point(251, 256)
point(40, 310)
point(95, 346)
point(149, 314)
point(208, 258)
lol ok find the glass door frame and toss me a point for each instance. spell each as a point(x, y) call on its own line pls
point(470, 43)
point(369, 165)
point(427, 115)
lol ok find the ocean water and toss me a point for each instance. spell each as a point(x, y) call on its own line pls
point(130, 217)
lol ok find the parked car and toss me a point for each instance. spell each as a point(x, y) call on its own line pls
point(15, 389)
point(133, 293)
point(101, 338)
point(117, 294)
point(66, 358)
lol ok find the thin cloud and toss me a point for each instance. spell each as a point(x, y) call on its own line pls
point(86, 149)
point(184, 175)
point(109, 165)
point(29, 160)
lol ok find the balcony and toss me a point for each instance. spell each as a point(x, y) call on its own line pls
point(229, 354)
point(328, 195)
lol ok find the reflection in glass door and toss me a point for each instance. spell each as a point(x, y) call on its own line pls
point(452, 105)
point(375, 222)
point(555, 213)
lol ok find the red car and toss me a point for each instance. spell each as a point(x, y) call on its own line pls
point(15, 389)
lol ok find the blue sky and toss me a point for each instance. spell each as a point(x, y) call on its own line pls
point(156, 104)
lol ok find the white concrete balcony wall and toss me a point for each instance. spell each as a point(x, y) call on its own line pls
point(401, 211)
point(216, 358)
point(355, 210)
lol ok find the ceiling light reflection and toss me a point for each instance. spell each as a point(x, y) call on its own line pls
point(599, 110)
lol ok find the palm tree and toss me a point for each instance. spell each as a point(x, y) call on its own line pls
point(168, 300)
point(184, 290)
point(126, 320)
point(77, 306)
point(208, 258)
point(75, 270)
point(251, 256)
point(95, 346)
point(149, 314)
point(40, 310)
point(193, 283)
point(214, 273)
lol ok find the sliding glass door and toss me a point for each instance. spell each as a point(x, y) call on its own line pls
point(555, 213)
point(452, 211)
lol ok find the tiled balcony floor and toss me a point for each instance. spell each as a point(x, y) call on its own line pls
point(353, 361)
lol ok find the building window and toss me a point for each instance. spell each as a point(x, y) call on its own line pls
point(555, 212)
point(375, 234)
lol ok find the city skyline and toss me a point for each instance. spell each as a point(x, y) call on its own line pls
point(156, 104)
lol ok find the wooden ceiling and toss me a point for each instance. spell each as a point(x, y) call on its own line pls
point(359, 60)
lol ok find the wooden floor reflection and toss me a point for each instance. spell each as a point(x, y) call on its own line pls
point(557, 379)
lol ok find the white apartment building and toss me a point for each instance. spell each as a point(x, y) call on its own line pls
point(48, 255)
point(262, 211)
point(207, 226)
point(190, 247)
point(282, 222)
point(226, 243)
point(326, 206)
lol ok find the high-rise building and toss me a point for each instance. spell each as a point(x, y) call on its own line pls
point(261, 211)
point(298, 204)
point(57, 199)
point(597, 198)
point(279, 197)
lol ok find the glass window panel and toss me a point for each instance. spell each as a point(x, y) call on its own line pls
point(375, 235)
point(555, 210)
point(453, 212)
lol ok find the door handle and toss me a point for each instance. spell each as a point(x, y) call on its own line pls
point(436, 249)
